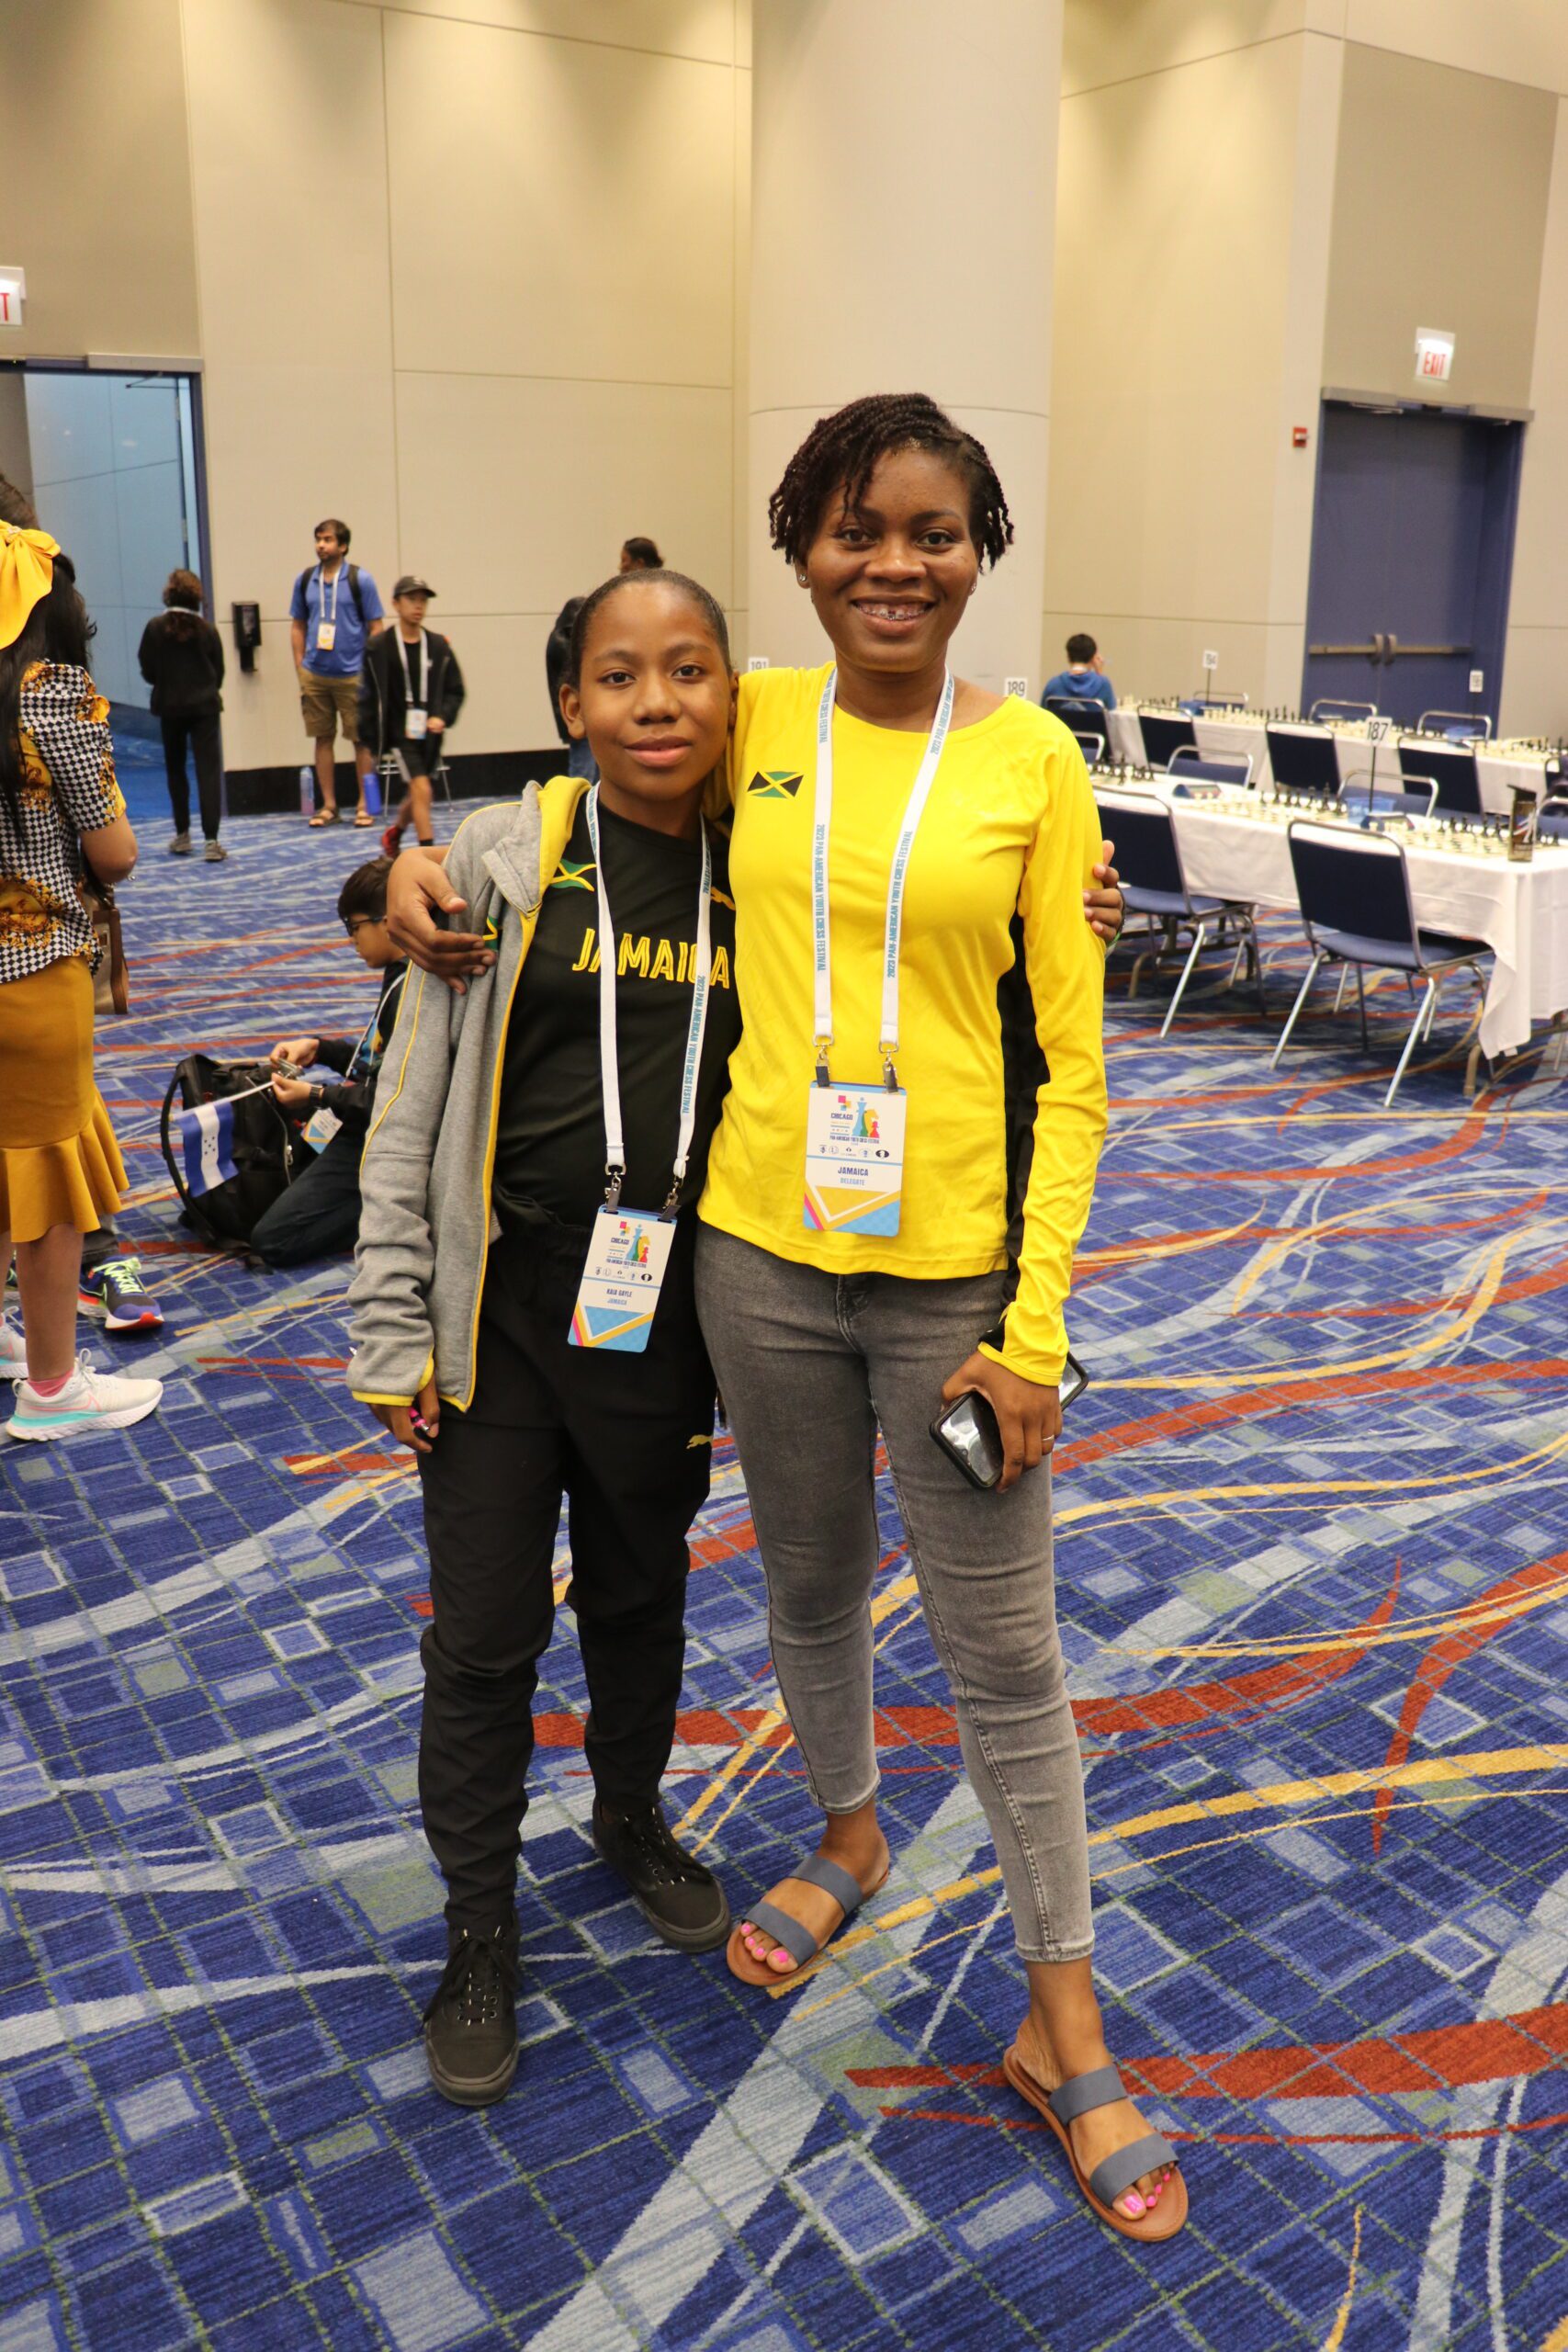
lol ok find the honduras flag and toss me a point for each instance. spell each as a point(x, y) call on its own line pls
point(206, 1138)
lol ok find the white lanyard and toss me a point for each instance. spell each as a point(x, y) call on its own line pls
point(609, 1060)
point(424, 671)
point(322, 614)
point(821, 948)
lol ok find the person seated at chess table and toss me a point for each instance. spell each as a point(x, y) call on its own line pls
point(1083, 679)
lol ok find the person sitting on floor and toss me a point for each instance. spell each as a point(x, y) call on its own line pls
point(320, 1212)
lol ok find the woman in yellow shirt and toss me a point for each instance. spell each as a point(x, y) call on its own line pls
point(853, 1265)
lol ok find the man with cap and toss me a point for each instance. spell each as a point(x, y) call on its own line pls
point(410, 691)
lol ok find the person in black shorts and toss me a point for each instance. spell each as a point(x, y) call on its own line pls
point(410, 691)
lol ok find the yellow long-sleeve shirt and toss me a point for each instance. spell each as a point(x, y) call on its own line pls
point(1010, 823)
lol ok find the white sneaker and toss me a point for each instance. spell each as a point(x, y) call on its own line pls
point(13, 1352)
point(89, 1401)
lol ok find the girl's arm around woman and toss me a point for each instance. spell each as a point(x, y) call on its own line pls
point(390, 1328)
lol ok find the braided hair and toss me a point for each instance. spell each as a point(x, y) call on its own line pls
point(842, 452)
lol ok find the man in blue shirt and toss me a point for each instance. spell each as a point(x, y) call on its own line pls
point(335, 609)
point(1083, 679)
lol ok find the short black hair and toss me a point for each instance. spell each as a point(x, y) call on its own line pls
point(705, 602)
point(365, 892)
point(16, 507)
point(338, 528)
point(1081, 648)
point(644, 552)
point(842, 452)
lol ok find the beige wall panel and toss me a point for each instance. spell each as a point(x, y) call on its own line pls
point(1164, 474)
point(1535, 682)
point(957, 303)
point(822, 222)
point(296, 316)
point(702, 28)
point(517, 494)
point(502, 654)
point(16, 450)
point(101, 218)
point(1115, 40)
point(1151, 655)
point(1517, 40)
point(1161, 502)
point(1438, 219)
point(580, 222)
point(740, 348)
point(1301, 363)
point(262, 726)
point(1535, 667)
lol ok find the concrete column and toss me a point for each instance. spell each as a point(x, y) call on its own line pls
point(904, 182)
point(16, 451)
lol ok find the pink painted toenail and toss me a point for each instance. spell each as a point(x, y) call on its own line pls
point(1135, 2206)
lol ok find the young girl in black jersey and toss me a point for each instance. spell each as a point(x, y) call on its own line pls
point(475, 1338)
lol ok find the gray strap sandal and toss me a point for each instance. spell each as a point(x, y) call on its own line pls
point(796, 1940)
point(1110, 2178)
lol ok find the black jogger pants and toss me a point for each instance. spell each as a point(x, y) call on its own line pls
point(205, 736)
point(628, 1438)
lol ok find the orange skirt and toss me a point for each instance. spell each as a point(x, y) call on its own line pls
point(59, 1161)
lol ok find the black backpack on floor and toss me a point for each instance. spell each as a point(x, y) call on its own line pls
point(267, 1148)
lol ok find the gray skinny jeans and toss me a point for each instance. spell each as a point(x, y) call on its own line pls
point(809, 1363)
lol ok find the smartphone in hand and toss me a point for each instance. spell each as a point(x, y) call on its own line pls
point(966, 1429)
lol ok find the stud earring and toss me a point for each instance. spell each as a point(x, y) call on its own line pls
point(801, 578)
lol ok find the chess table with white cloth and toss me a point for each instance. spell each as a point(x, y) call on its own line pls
point(1497, 772)
point(1236, 847)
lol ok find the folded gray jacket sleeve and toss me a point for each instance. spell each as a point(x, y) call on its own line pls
point(425, 1223)
point(421, 1180)
point(395, 1257)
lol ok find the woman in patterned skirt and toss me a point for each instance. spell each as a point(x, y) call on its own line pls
point(61, 811)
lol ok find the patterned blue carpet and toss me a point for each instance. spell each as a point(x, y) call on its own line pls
point(1315, 1595)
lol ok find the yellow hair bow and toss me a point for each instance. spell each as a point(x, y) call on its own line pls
point(27, 575)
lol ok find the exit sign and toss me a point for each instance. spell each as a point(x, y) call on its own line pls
point(13, 294)
point(1434, 355)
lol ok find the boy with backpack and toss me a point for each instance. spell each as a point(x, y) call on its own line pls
point(320, 1211)
point(334, 612)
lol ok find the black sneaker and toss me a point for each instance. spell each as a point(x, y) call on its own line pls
point(470, 2026)
point(679, 1896)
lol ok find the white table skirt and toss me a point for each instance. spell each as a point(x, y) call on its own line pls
point(1521, 911)
point(1497, 776)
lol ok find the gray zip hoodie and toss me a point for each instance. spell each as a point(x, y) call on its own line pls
point(427, 1223)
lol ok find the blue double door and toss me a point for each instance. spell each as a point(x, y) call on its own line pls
point(1412, 552)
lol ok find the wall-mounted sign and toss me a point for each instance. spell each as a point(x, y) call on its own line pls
point(1019, 686)
point(1434, 355)
point(13, 294)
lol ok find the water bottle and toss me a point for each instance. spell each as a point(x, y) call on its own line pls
point(306, 792)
